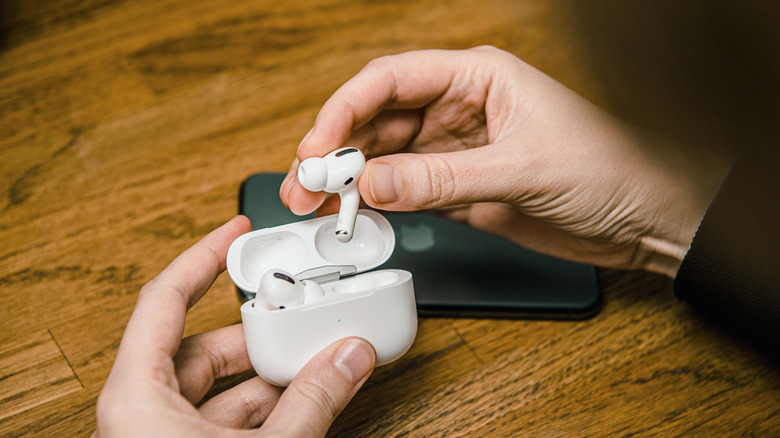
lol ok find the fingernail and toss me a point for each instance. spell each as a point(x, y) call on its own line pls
point(384, 184)
point(354, 359)
point(305, 137)
point(288, 179)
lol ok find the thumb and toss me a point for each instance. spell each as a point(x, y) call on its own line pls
point(406, 182)
point(322, 389)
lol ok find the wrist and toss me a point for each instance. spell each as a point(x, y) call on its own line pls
point(692, 177)
point(662, 256)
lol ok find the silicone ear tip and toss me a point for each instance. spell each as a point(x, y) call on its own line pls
point(313, 174)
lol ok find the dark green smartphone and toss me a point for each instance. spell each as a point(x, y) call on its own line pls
point(458, 271)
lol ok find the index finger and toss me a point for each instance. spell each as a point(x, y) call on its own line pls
point(409, 80)
point(157, 323)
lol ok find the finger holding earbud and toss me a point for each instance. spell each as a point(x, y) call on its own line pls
point(407, 182)
point(379, 110)
point(305, 201)
point(409, 80)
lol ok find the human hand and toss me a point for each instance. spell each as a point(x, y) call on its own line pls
point(157, 378)
point(491, 141)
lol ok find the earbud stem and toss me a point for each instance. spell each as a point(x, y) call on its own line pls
point(345, 225)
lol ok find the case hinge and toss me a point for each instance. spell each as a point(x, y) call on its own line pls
point(325, 274)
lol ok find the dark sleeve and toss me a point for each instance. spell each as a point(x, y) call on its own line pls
point(732, 270)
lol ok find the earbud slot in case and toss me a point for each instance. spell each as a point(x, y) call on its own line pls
point(378, 306)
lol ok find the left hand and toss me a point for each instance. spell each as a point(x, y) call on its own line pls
point(158, 378)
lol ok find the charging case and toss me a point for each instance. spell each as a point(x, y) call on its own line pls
point(378, 306)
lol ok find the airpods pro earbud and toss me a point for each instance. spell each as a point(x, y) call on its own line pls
point(336, 172)
point(279, 290)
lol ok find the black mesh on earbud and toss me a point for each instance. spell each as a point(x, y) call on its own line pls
point(348, 181)
point(345, 152)
point(284, 277)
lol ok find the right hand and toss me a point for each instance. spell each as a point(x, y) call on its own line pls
point(491, 141)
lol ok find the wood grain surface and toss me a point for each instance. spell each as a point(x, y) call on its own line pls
point(126, 129)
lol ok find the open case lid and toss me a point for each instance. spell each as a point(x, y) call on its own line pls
point(310, 250)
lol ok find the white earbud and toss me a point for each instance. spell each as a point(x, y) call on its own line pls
point(280, 290)
point(336, 172)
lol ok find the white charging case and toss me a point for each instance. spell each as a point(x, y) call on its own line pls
point(378, 306)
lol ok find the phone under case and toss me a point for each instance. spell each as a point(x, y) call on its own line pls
point(458, 271)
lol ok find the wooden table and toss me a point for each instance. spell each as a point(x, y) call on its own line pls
point(126, 129)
